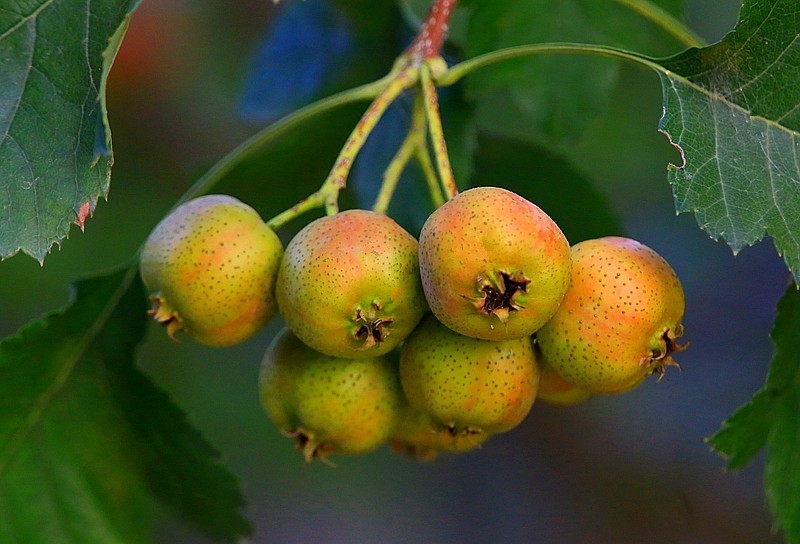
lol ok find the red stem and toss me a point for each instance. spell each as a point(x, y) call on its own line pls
point(428, 42)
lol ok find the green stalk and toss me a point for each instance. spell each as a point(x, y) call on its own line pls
point(663, 19)
point(455, 73)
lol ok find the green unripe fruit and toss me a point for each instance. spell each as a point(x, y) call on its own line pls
point(327, 404)
point(620, 319)
point(493, 265)
point(349, 284)
point(467, 385)
point(416, 435)
point(210, 268)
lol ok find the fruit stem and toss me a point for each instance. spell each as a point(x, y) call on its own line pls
point(414, 141)
point(434, 188)
point(415, 66)
point(431, 102)
point(315, 200)
point(405, 76)
point(428, 42)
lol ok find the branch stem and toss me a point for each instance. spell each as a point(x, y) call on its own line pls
point(429, 39)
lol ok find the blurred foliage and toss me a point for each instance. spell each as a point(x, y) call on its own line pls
point(174, 94)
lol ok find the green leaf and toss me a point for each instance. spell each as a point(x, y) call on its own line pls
point(545, 179)
point(555, 94)
point(55, 144)
point(86, 441)
point(733, 111)
point(772, 418)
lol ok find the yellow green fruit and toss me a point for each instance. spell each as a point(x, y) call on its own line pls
point(328, 405)
point(467, 385)
point(349, 286)
point(620, 319)
point(416, 435)
point(210, 268)
point(493, 265)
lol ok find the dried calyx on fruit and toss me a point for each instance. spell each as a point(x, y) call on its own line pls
point(328, 405)
point(493, 265)
point(349, 284)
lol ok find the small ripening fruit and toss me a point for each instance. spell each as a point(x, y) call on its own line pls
point(555, 390)
point(327, 404)
point(620, 319)
point(467, 385)
point(349, 286)
point(210, 269)
point(493, 265)
point(416, 435)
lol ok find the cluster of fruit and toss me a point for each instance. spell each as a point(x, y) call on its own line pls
point(433, 345)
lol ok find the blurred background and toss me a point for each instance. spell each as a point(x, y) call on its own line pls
point(196, 77)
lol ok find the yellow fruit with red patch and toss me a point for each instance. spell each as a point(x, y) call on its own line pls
point(210, 268)
point(468, 386)
point(494, 265)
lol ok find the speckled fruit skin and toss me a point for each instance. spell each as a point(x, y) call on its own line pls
point(419, 437)
point(210, 269)
point(493, 265)
point(349, 286)
point(467, 385)
point(620, 319)
point(327, 404)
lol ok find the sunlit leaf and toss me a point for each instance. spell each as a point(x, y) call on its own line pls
point(55, 143)
point(733, 110)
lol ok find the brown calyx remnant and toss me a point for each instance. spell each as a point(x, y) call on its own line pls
point(466, 431)
point(311, 448)
point(657, 360)
point(499, 300)
point(163, 313)
point(371, 327)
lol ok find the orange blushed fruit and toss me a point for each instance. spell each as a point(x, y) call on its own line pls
point(210, 268)
point(620, 319)
point(494, 265)
point(349, 286)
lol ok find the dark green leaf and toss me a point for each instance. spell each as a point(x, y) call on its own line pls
point(85, 439)
point(55, 144)
point(556, 94)
point(556, 186)
point(772, 418)
point(733, 110)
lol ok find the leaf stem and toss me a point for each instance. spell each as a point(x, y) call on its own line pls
point(458, 71)
point(664, 20)
point(265, 136)
point(434, 187)
point(431, 103)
